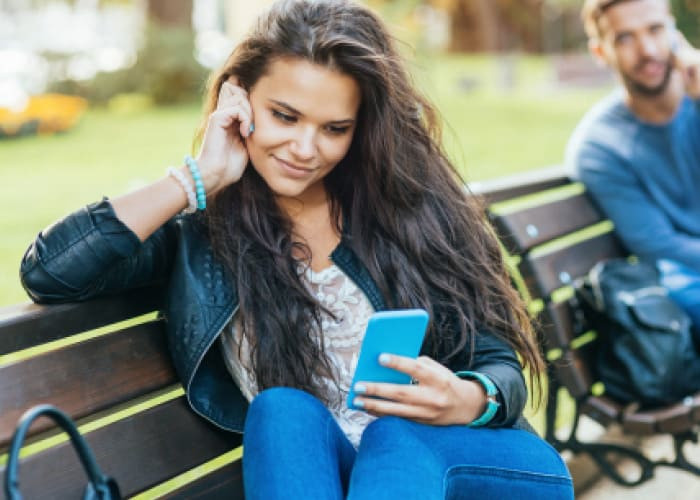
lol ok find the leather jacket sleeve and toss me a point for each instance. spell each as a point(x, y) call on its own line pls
point(497, 360)
point(90, 253)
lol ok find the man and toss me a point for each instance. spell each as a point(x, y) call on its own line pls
point(638, 151)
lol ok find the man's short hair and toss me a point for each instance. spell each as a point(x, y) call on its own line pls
point(593, 10)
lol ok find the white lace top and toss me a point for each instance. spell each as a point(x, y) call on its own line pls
point(342, 339)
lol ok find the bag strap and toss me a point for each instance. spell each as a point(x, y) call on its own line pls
point(100, 487)
point(580, 293)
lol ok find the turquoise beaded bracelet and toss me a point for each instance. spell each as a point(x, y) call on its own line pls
point(491, 391)
point(198, 184)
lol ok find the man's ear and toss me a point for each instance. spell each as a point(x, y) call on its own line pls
point(596, 50)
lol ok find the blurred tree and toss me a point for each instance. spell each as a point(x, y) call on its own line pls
point(171, 12)
point(165, 70)
point(687, 14)
point(504, 25)
point(170, 71)
point(562, 28)
point(493, 25)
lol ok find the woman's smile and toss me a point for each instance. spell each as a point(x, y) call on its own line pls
point(292, 170)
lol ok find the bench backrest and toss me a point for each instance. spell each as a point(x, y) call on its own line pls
point(555, 234)
point(118, 383)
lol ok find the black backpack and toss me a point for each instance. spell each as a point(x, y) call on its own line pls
point(645, 351)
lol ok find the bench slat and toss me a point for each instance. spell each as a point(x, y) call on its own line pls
point(87, 377)
point(139, 452)
point(514, 186)
point(225, 482)
point(674, 419)
point(522, 230)
point(29, 325)
point(547, 272)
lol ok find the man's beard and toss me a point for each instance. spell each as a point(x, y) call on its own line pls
point(640, 89)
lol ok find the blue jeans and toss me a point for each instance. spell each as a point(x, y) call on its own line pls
point(293, 448)
point(683, 284)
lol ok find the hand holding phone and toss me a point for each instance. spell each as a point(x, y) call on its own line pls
point(673, 36)
point(686, 59)
point(399, 332)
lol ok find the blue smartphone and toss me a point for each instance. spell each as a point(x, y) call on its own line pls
point(400, 332)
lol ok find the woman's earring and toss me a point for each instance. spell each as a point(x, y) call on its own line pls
point(251, 129)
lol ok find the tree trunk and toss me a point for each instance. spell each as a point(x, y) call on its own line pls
point(170, 12)
point(487, 12)
point(474, 26)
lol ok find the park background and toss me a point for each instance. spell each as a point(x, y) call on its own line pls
point(511, 79)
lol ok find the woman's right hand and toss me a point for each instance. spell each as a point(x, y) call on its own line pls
point(224, 154)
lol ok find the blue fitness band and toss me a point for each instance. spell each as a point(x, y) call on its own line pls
point(491, 391)
point(198, 184)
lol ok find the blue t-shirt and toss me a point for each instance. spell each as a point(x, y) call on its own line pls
point(645, 177)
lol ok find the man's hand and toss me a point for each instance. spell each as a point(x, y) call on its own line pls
point(686, 59)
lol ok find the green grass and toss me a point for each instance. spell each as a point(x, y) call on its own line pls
point(493, 131)
point(44, 178)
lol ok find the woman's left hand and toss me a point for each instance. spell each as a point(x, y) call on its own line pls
point(439, 397)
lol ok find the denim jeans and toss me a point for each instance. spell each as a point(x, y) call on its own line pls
point(683, 284)
point(293, 448)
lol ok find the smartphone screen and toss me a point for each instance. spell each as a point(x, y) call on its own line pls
point(399, 332)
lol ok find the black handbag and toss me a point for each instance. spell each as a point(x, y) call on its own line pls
point(645, 351)
point(100, 487)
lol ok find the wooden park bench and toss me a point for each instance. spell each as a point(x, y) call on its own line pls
point(121, 387)
point(118, 383)
point(555, 234)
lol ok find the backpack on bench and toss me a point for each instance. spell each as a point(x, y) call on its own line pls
point(645, 351)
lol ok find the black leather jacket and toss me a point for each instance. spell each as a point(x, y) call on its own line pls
point(91, 253)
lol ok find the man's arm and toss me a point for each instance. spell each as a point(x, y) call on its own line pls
point(641, 225)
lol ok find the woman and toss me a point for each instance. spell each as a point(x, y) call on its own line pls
point(322, 194)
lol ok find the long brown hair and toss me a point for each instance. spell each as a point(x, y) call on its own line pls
point(406, 214)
